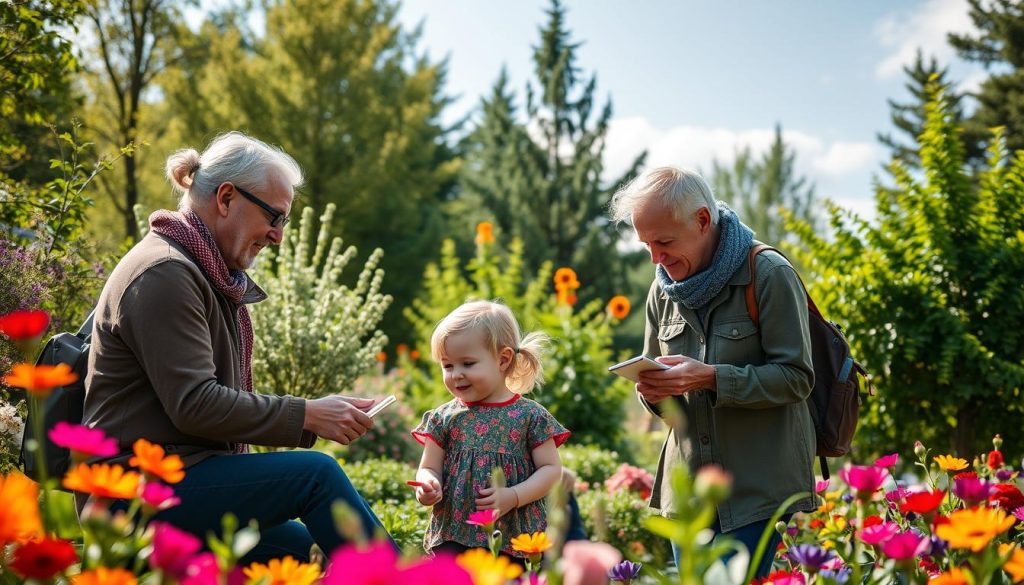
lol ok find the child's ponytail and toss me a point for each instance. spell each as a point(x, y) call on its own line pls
point(527, 370)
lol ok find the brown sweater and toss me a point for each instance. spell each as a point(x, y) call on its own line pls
point(164, 363)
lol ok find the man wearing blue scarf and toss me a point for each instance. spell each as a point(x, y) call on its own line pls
point(738, 390)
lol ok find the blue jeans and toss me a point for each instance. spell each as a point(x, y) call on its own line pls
point(749, 535)
point(575, 531)
point(274, 489)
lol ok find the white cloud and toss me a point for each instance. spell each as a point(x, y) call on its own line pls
point(841, 158)
point(924, 28)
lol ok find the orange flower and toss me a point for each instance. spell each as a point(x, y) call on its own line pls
point(105, 576)
point(1015, 564)
point(151, 459)
point(566, 297)
point(414, 354)
point(382, 357)
point(950, 463)
point(39, 380)
point(486, 569)
point(19, 512)
point(974, 528)
point(531, 544)
point(286, 571)
point(103, 480)
point(954, 576)
point(402, 348)
point(485, 232)
point(565, 279)
point(618, 307)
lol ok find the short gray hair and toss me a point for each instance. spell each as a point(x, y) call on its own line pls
point(233, 157)
point(683, 191)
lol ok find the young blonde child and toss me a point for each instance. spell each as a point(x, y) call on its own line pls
point(487, 366)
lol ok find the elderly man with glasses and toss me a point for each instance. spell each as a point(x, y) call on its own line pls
point(172, 352)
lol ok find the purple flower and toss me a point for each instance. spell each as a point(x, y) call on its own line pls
point(812, 557)
point(1004, 474)
point(624, 572)
point(938, 547)
point(840, 575)
point(971, 490)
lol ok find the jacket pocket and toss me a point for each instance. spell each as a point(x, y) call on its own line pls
point(736, 343)
point(667, 331)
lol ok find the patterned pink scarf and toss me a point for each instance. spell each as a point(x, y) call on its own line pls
point(189, 230)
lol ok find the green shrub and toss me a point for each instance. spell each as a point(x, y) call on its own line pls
point(389, 437)
point(381, 480)
point(591, 464)
point(314, 335)
point(405, 522)
point(618, 519)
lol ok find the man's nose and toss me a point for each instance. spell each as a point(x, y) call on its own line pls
point(656, 255)
point(276, 235)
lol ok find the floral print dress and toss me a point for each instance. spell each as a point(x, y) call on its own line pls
point(477, 437)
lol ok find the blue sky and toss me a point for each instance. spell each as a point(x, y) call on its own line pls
point(692, 81)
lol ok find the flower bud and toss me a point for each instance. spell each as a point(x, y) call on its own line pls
point(712, 483)
point(919, 449)
point(780, 527)
point(997, 442)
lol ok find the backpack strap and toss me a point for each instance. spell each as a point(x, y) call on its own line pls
point(752, 309)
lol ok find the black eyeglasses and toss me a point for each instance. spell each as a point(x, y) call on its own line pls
point(277, 219)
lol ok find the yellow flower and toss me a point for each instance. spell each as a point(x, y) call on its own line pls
point(39, 380)
point(150, 459)
point(1015, 564)
point(618, 307)
point(286, 571)
point(974, 528)
point(104, 576)
point(531, 544)
point(954, 576)
point(103, 480)
point(485, 232)
point(486, 569)
point(19, 513)
point(950, 463)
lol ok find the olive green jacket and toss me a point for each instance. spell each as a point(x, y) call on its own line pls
point(756, 425)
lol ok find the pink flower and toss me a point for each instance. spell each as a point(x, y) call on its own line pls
point(172, 549)
point(863, 479)
point(514, 434)
point(440, 570)
point(820, 486)
point(481, 428)
point(905, 545)
point(159, 496)
point(83, 441)
point(631, 478)
point(588, 562)
point(374, 564)
point(1018, 513)
point(887, 460)
point(203, 570)
point(484, 518)
point(879, 533)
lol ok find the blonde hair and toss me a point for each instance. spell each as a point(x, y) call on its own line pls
point(683, 191)
point(234, 157)
point(500, 330)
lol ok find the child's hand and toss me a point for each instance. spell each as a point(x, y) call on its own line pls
point(429, 495)
point(504, 499)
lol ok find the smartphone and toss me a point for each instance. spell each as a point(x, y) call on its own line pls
point(631, 368)
point(381, 406)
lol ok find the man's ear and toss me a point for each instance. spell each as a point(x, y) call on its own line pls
point(704, 219)
point(225, 195)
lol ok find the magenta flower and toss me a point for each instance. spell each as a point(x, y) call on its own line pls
point(897, 495)
point(440, 570)
point(905, 545)
point(865, 480)
point(972, 490)
point(83, 441)
point(203, 570)
point(1018, 513)
point(159, 496)
point(172, 549)
point(887, 460)
point(879, 533)
point(821, 485)
point(484, 518)
point(351, 565)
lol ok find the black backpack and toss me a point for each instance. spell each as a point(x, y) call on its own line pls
point(65, 403)
point(834, 402)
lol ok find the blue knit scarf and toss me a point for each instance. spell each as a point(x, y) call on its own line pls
point(733, 246)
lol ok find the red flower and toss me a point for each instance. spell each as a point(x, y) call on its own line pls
point(1007, 496)
point(21, 325)
point(872, 521)
point(43, 559)
point(995, 460)
point(966, 475)
point(922, 502)
point(817, 523)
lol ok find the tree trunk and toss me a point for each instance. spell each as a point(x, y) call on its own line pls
point(963, 435)
point(131, 197)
